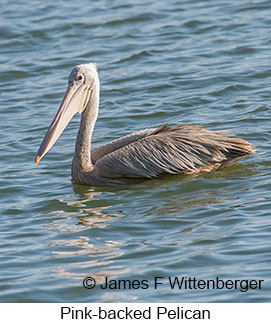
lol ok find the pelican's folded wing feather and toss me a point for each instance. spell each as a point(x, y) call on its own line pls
point(173, 150)
point(99, 152)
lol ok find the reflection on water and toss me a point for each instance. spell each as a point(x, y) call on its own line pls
point(94, 216)
point(92, 255)
point(86, 194)
point(99, 267)
point(178, 206)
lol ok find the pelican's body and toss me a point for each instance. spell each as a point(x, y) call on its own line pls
point(150, 153)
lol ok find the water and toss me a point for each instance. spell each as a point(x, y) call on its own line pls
point(199, 62)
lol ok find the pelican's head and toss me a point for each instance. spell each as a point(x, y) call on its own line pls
point(83, 82)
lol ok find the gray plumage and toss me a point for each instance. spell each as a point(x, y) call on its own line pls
point(169, 150)
point(150, 153)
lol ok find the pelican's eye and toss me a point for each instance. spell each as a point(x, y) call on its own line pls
point(80, 78)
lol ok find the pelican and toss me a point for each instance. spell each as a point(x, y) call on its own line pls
point(149, 153)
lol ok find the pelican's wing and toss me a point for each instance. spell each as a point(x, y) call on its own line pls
point(114, 145)
point(173, 150)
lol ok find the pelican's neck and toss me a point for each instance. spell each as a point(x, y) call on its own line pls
point(82, 156)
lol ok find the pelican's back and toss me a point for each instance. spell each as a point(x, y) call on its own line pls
point(169, 150)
